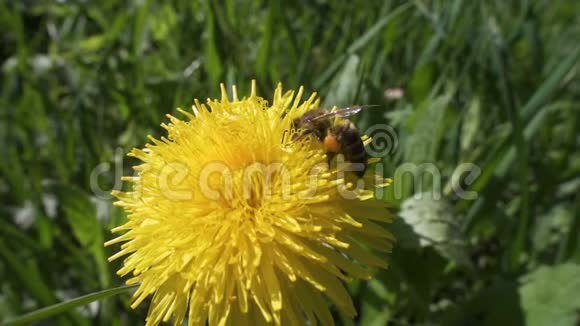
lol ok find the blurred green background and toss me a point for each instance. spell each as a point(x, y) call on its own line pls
point(490, 88)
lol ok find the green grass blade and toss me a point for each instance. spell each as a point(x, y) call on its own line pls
point(358, 44)
point(500, 163)
point(551, 85)
point(49, 311)
point(501, 61)
point(263, 58)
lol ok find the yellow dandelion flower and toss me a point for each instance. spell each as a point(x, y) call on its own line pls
point(231, 221)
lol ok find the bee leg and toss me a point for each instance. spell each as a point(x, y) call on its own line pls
point(330, 156)
point(299, 136)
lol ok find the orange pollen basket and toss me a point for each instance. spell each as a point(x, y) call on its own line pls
point(331, 143)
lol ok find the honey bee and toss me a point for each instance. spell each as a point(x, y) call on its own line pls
point(341, 137)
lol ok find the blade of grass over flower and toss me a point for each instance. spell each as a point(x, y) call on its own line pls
point(49, 311)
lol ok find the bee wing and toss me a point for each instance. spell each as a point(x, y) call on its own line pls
point(342, 112)
point(348, 111)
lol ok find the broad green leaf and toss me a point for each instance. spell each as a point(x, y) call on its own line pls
point(433, 221)
point(549, 295)
point(345, 84)
point(421, 83)
point(426, 126)
point(412, 277)
point(406, 236)
point(376, 306)
point(93, 43)
point(550, 228)
point(162, 22)
point(496, 304)
point(80, 212)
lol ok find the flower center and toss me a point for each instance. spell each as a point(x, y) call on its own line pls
point(255, 194)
